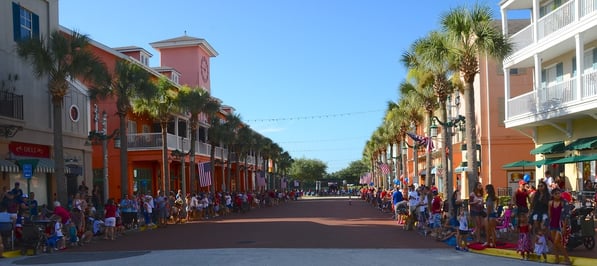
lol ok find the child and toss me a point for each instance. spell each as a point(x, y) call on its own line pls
point(72, 233)
point(524, 241)
point(462, 231)
point(56, 240)
point(541, 245)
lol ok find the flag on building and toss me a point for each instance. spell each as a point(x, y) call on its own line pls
point(260, 179)
point(422, 141)
point(366, 178)
point(283, 183)
point(384, 168)
point(204, 174)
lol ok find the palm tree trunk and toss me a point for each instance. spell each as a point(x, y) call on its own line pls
point(428, 179)
point(61, 192)
point(446, 149)
point(124, 169)
point(192, 181)
point(471, 136)
point(165, 166)
point(212, 159)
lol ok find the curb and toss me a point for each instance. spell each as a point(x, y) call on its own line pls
point(580, 261)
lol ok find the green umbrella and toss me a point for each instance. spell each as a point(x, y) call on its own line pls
point(521, 163)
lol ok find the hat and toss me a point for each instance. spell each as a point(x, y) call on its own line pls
point(521, 182)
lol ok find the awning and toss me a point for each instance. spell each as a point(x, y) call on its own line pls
point(577, 158)
point(8, 166)
point(547, 148)
point(433, 171)
point(583, 144)
point(44, 165)
point(460, 169)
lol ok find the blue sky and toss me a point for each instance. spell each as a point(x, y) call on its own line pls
point(315, 76)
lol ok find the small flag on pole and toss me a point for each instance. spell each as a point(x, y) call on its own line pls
point(385, 168)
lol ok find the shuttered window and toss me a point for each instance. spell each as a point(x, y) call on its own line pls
point(25, 23)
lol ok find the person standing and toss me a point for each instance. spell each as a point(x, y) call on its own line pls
point(558, 221)
point(477, 210)
point(33, 207)
point(110, 219)
point(539, 203)
point(521, 200)
point(549, 181)
point(491, 204)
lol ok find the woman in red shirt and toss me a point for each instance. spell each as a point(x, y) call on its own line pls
point(110, 219)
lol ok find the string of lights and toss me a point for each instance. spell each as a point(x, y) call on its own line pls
point(311, 117)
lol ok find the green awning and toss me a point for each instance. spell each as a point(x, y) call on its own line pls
point(577, 158)
point(521, 163)
point(547, 148)
point(583, 144)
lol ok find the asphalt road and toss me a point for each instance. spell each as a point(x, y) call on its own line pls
point(321, 231)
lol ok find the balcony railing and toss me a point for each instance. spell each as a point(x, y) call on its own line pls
point(153, 141)
point(552, 22)
point(587, 6)
point(11, 105)
point(554, 96)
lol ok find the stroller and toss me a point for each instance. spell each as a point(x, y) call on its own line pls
point(33, 237)
point(582, 228)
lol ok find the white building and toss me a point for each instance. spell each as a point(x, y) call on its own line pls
point(559, 112)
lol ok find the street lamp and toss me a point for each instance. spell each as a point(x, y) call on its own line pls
point(96, 137)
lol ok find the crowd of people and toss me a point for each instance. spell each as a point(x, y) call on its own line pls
point(85, 216)
point(540, 216)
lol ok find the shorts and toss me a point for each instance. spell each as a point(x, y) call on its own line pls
point(536, 217)
point(110, 222)
point(462, 232)
point(477, 213)
point(493, 215)
point(436, 220)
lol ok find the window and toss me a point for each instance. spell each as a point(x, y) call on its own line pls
point(131, 127)
point(25, 23)
point(175, 78)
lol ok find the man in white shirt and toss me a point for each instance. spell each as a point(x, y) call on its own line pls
point(549, 181)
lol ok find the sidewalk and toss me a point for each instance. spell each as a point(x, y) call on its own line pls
point(506, 253)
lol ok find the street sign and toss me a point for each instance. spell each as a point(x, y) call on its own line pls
point(27, 171)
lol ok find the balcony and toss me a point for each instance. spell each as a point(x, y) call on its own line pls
point(11, 105)
point(553, 22)
point(153, 141)
point(558, 96)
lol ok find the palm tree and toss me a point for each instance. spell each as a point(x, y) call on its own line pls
point(233, 123)
point(215, 137)
point(196, 101)
point(432, 54)
point(472, 34)
point(244, 140)
point(129, 81)
point(160, 107)
point(411, 104)
point(62, 57)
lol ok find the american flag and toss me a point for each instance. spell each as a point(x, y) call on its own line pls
point(366, 178)
point(204, 174)
point(283, 183)
point(385, 168)
point(260, 179)
point(422, 141)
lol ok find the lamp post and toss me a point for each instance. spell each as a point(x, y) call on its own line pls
point(447, 149)
point(102, 136)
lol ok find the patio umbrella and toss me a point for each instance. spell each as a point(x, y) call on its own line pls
point(521, 163)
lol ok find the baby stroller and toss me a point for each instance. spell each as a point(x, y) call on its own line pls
point(33, 237)
point(582, 228)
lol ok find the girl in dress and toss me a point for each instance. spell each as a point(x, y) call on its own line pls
point(524, 239)
point(462, 231)
point(541, 245)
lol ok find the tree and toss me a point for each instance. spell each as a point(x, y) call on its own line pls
point(160, 106)
point(233, 123)
point(62, 57)
point(307, 170)
point(215, 137)
point(196, 101)
point(352, 173)
point(128, 82)
point(471, 34)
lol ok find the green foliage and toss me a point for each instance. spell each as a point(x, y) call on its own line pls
point(308, 170)
point(351, 174)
